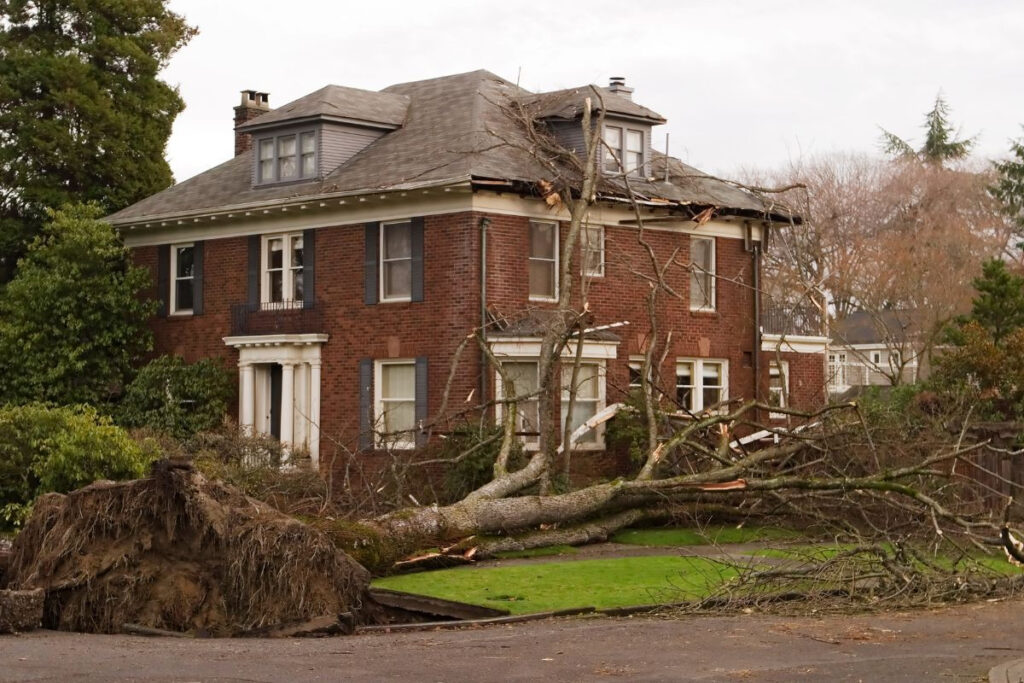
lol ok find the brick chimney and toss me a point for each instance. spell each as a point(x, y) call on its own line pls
point(254, 103)
point(617, 85)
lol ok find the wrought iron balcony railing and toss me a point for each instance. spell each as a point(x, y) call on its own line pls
point(276, 317)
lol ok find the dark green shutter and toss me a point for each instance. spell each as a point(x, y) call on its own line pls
point(254, 271)
point(197, 278)
point(417, 259)
point(308, 268)
point(371, 263)
point(421, 401)
point(365, 404)
point(163, 278)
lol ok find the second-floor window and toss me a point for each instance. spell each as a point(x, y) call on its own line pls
point(593, 251)
point(183, 274)
point(286, 157)
point(396, 261)
point(624, 148)
point(282, 269)
point(702, 274)
point(543, 261)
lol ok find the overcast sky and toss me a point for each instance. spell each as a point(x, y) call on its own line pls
point(742, 82)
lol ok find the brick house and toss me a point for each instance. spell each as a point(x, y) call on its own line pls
point(357, 237)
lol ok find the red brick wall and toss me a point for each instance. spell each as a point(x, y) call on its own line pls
point(451, 308)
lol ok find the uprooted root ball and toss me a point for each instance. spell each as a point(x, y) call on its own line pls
point(178, 552)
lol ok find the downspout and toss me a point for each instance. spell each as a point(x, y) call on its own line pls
point(755, 249)
point(484, 223)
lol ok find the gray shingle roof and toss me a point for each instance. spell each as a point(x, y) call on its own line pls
point(453, 128)
point(568, 104)
point(863, 327)
point(339, 102)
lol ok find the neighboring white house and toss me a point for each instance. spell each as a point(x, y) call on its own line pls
point(871, 349)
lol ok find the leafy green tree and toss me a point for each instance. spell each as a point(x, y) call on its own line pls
point(45, 449)
point(940, 142)
point(83, 116)
point(72, 321)
point(174, 397)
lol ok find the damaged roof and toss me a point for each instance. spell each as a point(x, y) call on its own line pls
point(568, 104)
point(450, 129)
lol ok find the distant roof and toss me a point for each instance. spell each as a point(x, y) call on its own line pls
point(452, 129)
point(864, 327)
point(338, 102)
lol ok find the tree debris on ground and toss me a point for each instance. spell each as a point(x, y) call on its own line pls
point(178, 552)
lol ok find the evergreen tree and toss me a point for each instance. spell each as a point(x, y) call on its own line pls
point(940, 142)
point(1009, 186)
point(83, 116)
point(72, 321)
point(999, 304)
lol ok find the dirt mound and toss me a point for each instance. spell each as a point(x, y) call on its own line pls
point(182, 553)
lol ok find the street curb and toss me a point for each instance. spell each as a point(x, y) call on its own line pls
point(1010, 672)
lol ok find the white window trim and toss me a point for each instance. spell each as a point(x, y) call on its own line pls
point(381, 261)
point(406, 441)
point(287, 272)
point(530, 443)
point(713, 279)
point(777, 368)
point(698, 380)
point(584, 249)
point(558, 241)
point(276, 161)
point(601, 401)
point(172, 304)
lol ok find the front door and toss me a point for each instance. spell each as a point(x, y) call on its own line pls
point(275, 400)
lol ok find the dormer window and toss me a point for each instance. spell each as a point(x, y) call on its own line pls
point(288, 157)
point(625, 146)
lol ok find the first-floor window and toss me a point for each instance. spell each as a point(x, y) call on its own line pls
point(593, 251)
point(589, 400)
point(183, 270)
point(396, 403)
point(524, 378)
point(543, 261)
point(700, 384)
point(778, 387)
point(702, 274)
point(837, 369)
point(282, 269)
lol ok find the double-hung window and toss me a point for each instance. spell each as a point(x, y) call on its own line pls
point(593, 250)
point(396, 261)
point(624, 149)
point(183, 274)
point(523, 375)
point(282, 269)
point(543, 261)
point(837, 369)
point(396, 403)
point(286, 157)
point(701, 384)
point(702, 274)
point(778, 387)
point(590, 393)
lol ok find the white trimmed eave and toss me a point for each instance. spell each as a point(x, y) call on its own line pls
point(275, 340)
point(793, 343)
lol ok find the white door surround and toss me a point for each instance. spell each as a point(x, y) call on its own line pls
point(299, 358)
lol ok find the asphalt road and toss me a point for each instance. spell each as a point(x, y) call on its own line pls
point(952, 644)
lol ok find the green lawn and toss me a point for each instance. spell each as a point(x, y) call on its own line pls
point(523, 589)
point(676, 537)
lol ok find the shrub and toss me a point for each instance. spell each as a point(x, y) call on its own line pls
point(180, 399)
point(45, 449)
point(472, 452)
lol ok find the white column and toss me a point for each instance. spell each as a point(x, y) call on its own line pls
point(246, 396)
point(314, 415)
point(287, 405)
